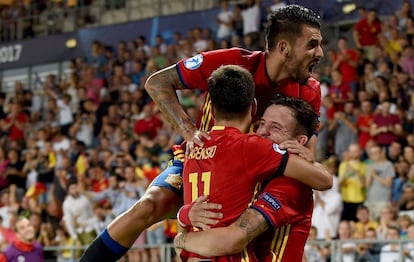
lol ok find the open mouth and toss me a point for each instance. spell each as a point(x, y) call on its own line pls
point(312, 66)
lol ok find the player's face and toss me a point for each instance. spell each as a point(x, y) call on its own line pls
point(306, 53)
point(277, 124)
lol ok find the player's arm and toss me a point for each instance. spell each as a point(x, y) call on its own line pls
point(224, 240)
point(313, 175)
point(161, 86)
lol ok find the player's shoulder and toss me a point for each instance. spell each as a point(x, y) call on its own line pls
point(235, 52)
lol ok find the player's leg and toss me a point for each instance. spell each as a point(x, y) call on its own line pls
point(157, 204)
point(160, 201)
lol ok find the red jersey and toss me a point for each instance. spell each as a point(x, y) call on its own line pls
point(368, 33)
point(150, 126)
point(195, 71)
point(364, 136)
point(229, 168)
point(15, 132)
point(287, 206)
point(349, 73)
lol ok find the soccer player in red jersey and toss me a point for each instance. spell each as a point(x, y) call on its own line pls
point(293, 48)
point(211, 170)
point(283, 210)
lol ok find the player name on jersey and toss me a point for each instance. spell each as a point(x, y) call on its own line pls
point(203, 153)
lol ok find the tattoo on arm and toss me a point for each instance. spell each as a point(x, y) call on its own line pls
point(253, 223)
point(162, 88)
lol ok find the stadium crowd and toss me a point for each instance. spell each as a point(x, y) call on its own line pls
point(82, 151)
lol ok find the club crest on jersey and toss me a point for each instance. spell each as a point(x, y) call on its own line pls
point(174, 180)
point(193, 62)
point(272, 201)
point(277, 149)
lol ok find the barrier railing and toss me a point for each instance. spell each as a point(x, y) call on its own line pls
point(335, 247)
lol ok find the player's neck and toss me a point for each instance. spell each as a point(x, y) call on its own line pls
point(274, 67)
point(242, 125)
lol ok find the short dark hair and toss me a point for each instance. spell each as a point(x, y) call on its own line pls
point(287, 22)
point(231, 89)
point(305, 115)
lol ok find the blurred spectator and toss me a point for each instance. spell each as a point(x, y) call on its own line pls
point(364, 123)
point(14, 172)
point(63, 239)
point(238, 22)
point(251, 18)
point(7, 236)
point(351, 176)
point(198, 40)
point(225, 22)
point(24, 247)
point(143, 46)
point(364, 223)
point(339, 90)
point(366, 32)
point(401, 170)
point(386, 127)
point(403, 14)
point(391, 252)
point(149, 123)
point(348, 247)
point(9, 207)
point(344, 126)
point(388, 218)
point(97, 59)
point(409, 246)
point(78, 216)
point(315, 252)
point(325, 142)
point(406, 203)
point(346, 60)
point(15, 123)
point(379, 177)
point(369, 251)
point(327, 209)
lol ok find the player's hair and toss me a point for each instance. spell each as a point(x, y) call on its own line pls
point(306, 118)
point(287, 22)
point(231, 89)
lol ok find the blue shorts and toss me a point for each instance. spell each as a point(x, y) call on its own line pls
point(171, 178)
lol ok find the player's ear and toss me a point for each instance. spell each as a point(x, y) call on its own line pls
point(302, 139)
point(284, 48)
point(254, 107)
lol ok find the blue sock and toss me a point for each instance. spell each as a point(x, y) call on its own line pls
point(112, 244)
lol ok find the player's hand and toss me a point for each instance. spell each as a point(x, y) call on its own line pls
point(295, 147)
point(204, 214)
point(179, 241)
point(195, 139)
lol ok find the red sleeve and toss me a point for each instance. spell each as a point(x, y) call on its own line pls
point(195, 71)
point(278, 201)
point(136, 127)
point(3, 258)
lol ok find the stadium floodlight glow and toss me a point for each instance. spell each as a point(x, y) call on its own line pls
point(349, 8)
point(71, 43)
